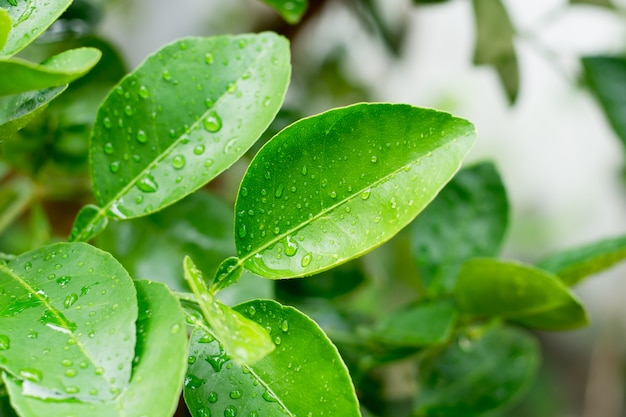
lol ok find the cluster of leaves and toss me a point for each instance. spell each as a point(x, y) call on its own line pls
point(89, 329)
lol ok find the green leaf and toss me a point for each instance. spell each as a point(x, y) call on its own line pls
point(419, 325)
point(333, 186)
point(15, 197)
point(158, 372)
point(606, 77)
point(428, 1)
point(18, 110)
point(64, 310)
point(5, 27)
point(290, 10)
point(245, 341)
point(574, 265)
point(30, 18)
point(494, 43)
point(477, 373)
point(303, 376)
point(19, 76)
point(467, 219)
point(601, 3)
point(162, 134)
point(89, 223)
point(525, 294)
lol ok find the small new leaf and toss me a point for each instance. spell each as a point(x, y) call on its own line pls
point(244, 340)
point(290, 10)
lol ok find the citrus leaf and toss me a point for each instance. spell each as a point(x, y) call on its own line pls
point(419, 325)
point(19, 76)
point(523, 293)
point(467, 219)
point(244, 340)
point(30, 18)
point(304, 376)
point(606, 77)
point(331, 187)
point(162, 134)
point(494, 43)
point(290, 10)
point(574, 265)
point(75, 296)
point(477, 373)
point(18, 110)
point(158, 372)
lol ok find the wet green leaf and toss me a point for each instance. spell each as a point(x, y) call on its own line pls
point(477, 373)
point(333, 186)
point(5, 27)
point(290, 10)
point(245, 340)
point(467, 219)
point(69, 306)
point(29, 18)
point(158, 372)
point(18, 110)
point(494, 43)
point(418, 325)
point(523, 293)
point(162, 134)
point(606, 77)
point(303, 376)
point(574, 265)
point(19, 76)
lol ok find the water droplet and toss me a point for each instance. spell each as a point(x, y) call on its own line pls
point(67, 362)
point(212, 397)
point(366, 194)
point(99, 371)
point(242, 231)
point(5, 342)
point(212, 123)
point(142, 137)
point(209, 102)
point(266, 101)
point(304, 170)
point(333, 194)
point(284, 326)
point(269, 397)
point(128, 111)
point(290, 246)
point(235, 394)
point(191, 359)
point(279, 191)
point(203, 412)
point(72, 390)
point(199, 149)
point(114, 166)
point(306, 260)
point(175, 328)
point(208, 58)
point(70, 373)
point(277, 340)
point(108, 148)
point(70, 300)
point(193, 382)
point(178, 162)
point(139, 199)
point(231, 87)
point(64, 281)
point(30, 374)
point(230, 411)
point(374, 158)
point(217, 361)
point(106, 122)
point(143, 92)
point(166, 75)
point(147, 184)
point(208, 163)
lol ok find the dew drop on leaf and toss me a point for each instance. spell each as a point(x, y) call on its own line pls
point(147, 184)
point(212, 123)
point(72, 390)
point(143, 92)
point(366, 194)
point(212, 397)
point(198, 150)
point(128, 111)
point(114, 166)
point(106, 122)
point(108, 148)
point(142, 137)
point(235, 394)
point(30, 374)
point(290, 246)
point(166, 75)
point(5, 342)
point(70, 300)
point(208, 58)
point(269, 397)
point(306, 260)
point(178, 162)
point(203, 412)
point(70, 373)
point(230, 411)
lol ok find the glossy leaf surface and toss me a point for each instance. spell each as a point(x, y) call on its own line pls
point(304, 376)
point(19, 76)
point(574, 265)
point(490, 287)
point(467, 219)
point(163, 133)
point(157, 373)
point(477, 373)
point(72, 307)
point(290, 10)
point(494, 43)
point(5, 27)
point(333, 186)
point(18, 110)
point(30, 18)
point(419, 325)
point(606, 77)
point(245, 340)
